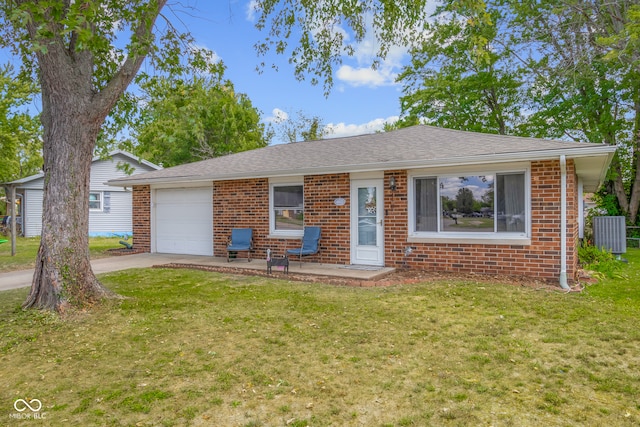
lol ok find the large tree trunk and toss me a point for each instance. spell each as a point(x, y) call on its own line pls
point(71, 119)
point(63, 274)
point(76, 98)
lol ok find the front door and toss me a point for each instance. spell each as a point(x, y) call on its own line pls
point(367, 215)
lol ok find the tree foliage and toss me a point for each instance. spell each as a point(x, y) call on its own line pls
point(465, 200)
point(317, 35)
point(551, 68)
point(451, 84)
point(300, 127)
point(184, 121)
point(20, 144)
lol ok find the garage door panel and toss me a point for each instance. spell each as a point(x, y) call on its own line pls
point(184, 221)
point(178, 215)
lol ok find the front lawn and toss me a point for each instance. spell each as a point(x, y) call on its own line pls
point(27, 249)
point(199, 348)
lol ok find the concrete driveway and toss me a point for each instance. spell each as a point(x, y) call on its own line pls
point(22, 278)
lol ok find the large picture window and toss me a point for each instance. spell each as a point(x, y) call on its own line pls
point(287, 215)
point(482, 205)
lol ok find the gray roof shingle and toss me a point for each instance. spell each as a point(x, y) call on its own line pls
point(412, 147)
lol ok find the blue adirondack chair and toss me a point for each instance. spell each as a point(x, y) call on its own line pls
point(241, 240)
point(309, 246)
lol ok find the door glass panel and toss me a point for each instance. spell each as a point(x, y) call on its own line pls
point(367, 216)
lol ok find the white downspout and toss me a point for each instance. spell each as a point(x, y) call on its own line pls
point(580, 209)
point(563, 222)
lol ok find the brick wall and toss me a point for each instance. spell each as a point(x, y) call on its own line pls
point(141, 218)
point(245, 204)
point(320, 191)
point(573, 228)
point(240, 204)
point(540, 259)
point(396, 220)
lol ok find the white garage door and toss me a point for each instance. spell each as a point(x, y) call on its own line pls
point(184, 221)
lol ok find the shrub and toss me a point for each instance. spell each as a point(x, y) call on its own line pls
point(600, 260)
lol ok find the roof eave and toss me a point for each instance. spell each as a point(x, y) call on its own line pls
point(25, 179)
point(597, 150)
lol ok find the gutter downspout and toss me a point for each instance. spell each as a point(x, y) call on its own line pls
point(563, 223)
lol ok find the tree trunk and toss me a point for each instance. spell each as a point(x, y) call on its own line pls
point(63, 276)
point(634, 200)
point(618, 185)
point(76, 98)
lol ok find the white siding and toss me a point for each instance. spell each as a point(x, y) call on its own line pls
point(104, 170)
point(114, 220)
point(33, 209)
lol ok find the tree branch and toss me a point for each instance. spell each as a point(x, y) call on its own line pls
point(143, 34)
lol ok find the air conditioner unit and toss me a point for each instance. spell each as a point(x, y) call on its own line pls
point(610, 233)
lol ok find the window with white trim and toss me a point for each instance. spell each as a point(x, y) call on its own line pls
point(471, 205)
point(95, 201)
point(286, 209)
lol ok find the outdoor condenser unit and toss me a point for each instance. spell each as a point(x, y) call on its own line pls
point(610, 233)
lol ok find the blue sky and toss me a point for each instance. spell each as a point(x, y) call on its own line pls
point(361, 99)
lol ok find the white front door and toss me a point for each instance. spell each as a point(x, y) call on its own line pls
point(367, 215)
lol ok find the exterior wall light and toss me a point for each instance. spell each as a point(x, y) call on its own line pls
point(392, 183)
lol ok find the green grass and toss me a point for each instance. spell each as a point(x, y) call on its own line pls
point(624, 286)
point(27, 249)
point(197, 348)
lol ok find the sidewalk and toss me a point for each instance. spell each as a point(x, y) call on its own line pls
point(22, 278)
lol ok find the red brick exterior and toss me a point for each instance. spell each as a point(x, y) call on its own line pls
point(245, 203)
point(540, 259)
point(320, 191)
point(240, 204)
point(141, 211)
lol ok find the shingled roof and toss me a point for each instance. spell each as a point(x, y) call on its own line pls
point(408, 148)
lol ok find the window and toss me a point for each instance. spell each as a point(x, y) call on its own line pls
point(95, 201)
point(471, 205)
point(287, 210)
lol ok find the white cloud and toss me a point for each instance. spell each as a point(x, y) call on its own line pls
point(252, 9)
point(365, 54)
point(214, 58)
point(366, 51)
point(364, 76)
point(277, 116)
point(338, 130)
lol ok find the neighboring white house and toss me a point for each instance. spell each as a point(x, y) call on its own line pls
point(109, 207)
